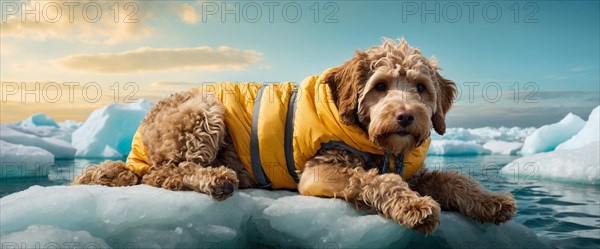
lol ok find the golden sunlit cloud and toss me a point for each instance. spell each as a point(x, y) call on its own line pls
point(162, 59)
point(167, 84)
point(188, 14)
point(109, 22)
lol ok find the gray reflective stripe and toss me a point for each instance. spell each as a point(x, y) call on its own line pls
point(399, 164)
point(257, 169)
point(289, 136)
point(386, 163)
point(332, 144)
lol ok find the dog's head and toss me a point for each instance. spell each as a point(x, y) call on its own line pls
point(394, 93)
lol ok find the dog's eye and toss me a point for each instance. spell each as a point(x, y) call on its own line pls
point(381, 86)
point(420, 88)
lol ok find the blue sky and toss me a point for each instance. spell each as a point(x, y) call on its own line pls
point(549, 51)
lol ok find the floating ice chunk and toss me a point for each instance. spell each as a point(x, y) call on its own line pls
point(31, 137)
point(513, 134)
point(108, 131)
point(456, 148)
point(455, 134)
point(46, 236)
point(516, 134)
point(590, 133)
point(547, 137)
point(484, 134)
point(577, 165)
point(502, 147)
point(69, 125)
point(23, 161)
point(44, 131)
point(47, 127)
point(39, 119)
point(147, 217)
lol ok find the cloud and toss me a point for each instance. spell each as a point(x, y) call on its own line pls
point(161, 87)
point(532, 95)
point(6, 49)
point(161, 84)
point(104, 21)
point(188, 14)
point(580, 68)
point(555, 77)
point(163, 59)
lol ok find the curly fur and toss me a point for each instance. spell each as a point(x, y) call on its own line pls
point(109, 173)
point(188, 126)
point(189, 147)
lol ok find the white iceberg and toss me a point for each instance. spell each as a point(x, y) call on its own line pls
point(576, 166)
point(456, 133)
point(513, 134)
point(575, 160)
point(45, 138)
point(547, 137)
point(44, 131)
point(147, 217)
point(39, 119)
point(23, 161)
point(503, 147)
point(484, 134)
point(69, 125)
point(590, 133)
point(107, 133)
point(456, 148)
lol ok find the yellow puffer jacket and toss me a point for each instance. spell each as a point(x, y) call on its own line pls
point(270, 123)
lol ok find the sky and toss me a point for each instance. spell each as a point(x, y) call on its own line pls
point(516, 63)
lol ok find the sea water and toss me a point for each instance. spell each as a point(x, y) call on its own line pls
point(563, 215)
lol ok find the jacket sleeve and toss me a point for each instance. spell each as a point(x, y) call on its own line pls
point(137, 161)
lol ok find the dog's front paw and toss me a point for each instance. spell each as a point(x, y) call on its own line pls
point(224, 183)
point(428, 224)
point(427, 214)
point(218, 182)
point(222, 190)
point(421, 214)
point(508, 207)
point(498, 208)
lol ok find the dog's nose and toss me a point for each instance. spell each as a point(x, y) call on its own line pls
point(405, 118)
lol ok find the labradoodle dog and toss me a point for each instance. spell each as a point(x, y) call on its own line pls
point(359, 132)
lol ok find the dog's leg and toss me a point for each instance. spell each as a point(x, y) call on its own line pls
point(166, 176)
point(228, 156)
point(388, 193)
point(108, 173)
point(461, 193)
point(218, 182)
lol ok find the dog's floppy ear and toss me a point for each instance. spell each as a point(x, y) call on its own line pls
point(446, 95)
point(346, 82)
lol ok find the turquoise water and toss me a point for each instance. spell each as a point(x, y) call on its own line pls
point(563, 215)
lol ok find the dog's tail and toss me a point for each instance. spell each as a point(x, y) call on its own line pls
point(108, 173)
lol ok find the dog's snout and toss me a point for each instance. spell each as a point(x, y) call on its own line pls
point(404, 117)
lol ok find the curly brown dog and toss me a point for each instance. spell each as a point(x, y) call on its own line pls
point(383, 104)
